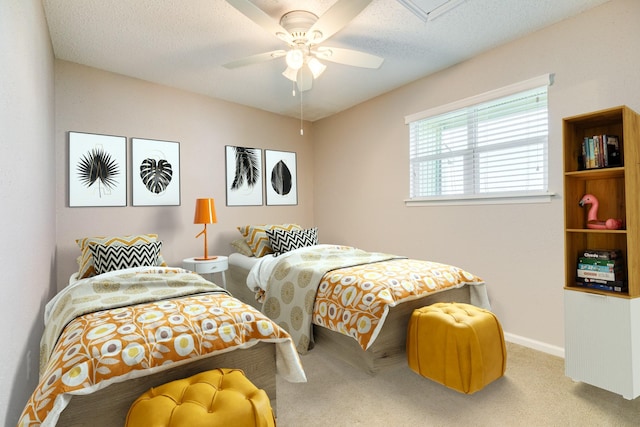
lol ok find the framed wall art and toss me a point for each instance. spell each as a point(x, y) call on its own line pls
point(244, 176)
point(97, 170)
point(281, 177)
point(155, 170)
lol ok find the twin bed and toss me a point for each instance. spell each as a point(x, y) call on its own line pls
point(121, 331)
point(110, 336)
point(358, 303)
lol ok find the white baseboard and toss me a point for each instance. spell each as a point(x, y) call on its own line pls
point(536, 345)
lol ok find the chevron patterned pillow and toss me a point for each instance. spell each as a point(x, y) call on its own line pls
point(109, 257)
point(85, 260)
point(257, 239)
point(282, 241)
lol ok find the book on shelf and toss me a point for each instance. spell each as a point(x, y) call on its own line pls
point(603, 265)
point(600, 151)
point(600, 262)
point(612, 268)
point(603, 275)
point(602, 282)
point(613, 150)
point(601, 269)
point(612, 286)
point(602, 254)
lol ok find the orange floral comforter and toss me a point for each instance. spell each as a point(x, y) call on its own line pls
point(131, 341)
point(355, 300)
point(348, 290)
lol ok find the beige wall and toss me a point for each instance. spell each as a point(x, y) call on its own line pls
point(95, 101)
point(27, 211)
point(517, 249)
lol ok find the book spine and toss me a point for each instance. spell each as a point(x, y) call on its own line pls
point(613, 150)
point(603, 287)
point(601, 262)
point(622, 283)
point(607, 254)
point(600, 275)
point(600, 268)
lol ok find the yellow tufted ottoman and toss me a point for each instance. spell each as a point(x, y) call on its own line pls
point(458, 345)
point(221, 397)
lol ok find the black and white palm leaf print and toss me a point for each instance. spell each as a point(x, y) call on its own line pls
point(247, 168)
point(281, 181)
point(156, 174)
point(97, 166)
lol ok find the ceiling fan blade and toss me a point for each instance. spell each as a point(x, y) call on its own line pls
point(304, 80)
point(334, 19)
point(351, 57)
point(254, 59)
point(258, 16)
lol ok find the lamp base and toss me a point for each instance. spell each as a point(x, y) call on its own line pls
point(205, 258)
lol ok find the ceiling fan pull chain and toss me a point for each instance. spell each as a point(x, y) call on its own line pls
point(301, 129)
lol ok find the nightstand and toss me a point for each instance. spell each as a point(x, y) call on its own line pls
point(220, 264)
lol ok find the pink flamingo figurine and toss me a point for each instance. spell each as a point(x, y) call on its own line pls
point(592, 216)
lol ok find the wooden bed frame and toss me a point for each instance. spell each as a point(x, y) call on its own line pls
point(108, 407)
point(389, 348)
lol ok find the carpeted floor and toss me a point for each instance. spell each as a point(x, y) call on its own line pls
point(533, 392)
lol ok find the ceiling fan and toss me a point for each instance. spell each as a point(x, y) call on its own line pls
point(303, 32)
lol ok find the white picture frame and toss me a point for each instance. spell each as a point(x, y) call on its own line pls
point(243, 176)
point(281, 186)
point(155, 172)
point(97, 170)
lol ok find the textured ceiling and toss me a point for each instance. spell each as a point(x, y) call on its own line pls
point(184, 43)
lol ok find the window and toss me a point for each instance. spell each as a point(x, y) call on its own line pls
point(493, 146)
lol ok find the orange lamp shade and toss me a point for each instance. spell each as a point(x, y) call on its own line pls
point(205, 212)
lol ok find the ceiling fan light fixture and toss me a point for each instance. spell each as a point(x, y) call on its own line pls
point(295, 59)
point(304, 80)
point(291, 74)
point(316, 67)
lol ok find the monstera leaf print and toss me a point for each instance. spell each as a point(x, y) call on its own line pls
point(156, 175)
point(247, 168)
point(97, 166)
point(281, 179)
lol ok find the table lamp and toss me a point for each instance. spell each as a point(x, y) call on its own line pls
point(205, 214)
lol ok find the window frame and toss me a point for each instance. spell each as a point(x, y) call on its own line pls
point(537, 196)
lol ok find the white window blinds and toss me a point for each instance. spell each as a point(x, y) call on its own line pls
point(493, 147)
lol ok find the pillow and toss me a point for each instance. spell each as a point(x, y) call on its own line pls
point(256, 236)
point(85, 261)
point(241, 246)
point(117, 257)
point(282, 241)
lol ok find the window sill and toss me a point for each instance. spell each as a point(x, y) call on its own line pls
point(503, 199)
